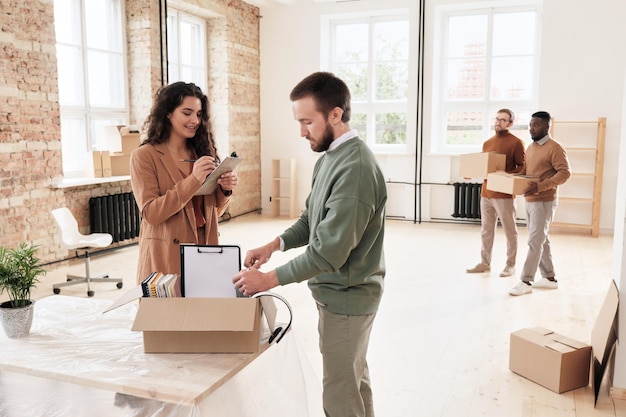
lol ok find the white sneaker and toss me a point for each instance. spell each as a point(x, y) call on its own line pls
point(507, 271)
point(546, 284)
point(521, 289)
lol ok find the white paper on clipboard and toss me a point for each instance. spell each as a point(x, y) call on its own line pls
point(207, 270)
point(210, 183)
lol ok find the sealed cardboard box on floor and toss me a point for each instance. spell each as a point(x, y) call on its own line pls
point(560, 363)
point(199, 325)
point(550, 359)
point(508, 183)
point(478, 165)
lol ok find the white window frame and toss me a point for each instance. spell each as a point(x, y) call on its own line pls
point(522, 108)
point(370, 106)
point(81, 123)
point(179, 67)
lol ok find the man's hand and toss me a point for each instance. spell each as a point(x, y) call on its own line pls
point(251, 281)
point(532, 189)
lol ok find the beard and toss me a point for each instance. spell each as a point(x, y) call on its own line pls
point(326, 140)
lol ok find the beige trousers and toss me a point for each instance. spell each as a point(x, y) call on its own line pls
point(492, 209)
point(343, 342)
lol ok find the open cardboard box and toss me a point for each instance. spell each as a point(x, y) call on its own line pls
point(478, 165)
point(560, 363)
point(200, 325)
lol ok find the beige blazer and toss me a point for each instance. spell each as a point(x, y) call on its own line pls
point(167, 216)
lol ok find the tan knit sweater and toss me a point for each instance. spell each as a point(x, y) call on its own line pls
point(547, 160)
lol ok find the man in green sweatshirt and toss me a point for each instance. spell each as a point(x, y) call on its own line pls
point(547, 160)
point(342, 228)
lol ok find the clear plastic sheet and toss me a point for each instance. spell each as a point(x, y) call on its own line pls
point(80, 362)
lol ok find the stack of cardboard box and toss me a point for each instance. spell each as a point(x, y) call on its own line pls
point(122, 141)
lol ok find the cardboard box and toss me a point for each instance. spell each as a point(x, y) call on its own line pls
point(122, 139)
point(106, 163)
point(560, 363)
point(130, 142)
point(478, 165)
point(199, 325)
point(120, 164)
point(550, 359)
point(508, 183)
point(97, 163)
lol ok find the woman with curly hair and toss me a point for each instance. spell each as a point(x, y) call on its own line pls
point(168, 168)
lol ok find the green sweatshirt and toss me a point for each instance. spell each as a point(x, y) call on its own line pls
point(343, 227)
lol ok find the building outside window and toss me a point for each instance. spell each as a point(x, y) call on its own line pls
point(92, 77)
point(371, 54)
point(489, 60)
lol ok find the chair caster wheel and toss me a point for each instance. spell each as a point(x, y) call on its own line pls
point(90, 293)
point(119, 284)
point(56, 290)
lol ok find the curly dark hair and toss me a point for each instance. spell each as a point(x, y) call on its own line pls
point(157, 125)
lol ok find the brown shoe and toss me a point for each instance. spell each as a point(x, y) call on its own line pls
point(481, 267)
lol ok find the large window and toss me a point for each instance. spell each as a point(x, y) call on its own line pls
point(371, 54)
point(92, 77)
point(489, 60)
point(186, 46)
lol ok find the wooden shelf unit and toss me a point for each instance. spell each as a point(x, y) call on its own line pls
point(582, 151)
point(283, 196)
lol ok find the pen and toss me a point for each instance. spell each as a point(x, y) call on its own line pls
point(187, 160)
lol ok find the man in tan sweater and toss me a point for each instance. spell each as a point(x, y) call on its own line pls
point(547, 160)
point(495, 205)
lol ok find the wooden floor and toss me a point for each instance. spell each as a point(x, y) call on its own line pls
point(440, 342)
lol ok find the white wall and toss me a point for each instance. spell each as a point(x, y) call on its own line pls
point(581, 77)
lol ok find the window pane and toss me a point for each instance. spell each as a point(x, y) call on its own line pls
point(391, 128)
point(351, 42)
point(99, 140)
point(514, 33)
point(467, 36)
point(358, 121)
point(392, 80)
point(466, 79)
point(355, 76)
point(103, 25)
point(73, 143)
point(67, 21)
point(464, 128)
point(511, 78)
point(69, 67)
point(106, 88)
point(105, 84)
point(391, 40)
point(190, 54)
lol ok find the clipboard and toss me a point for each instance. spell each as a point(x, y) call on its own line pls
point(207, 270)
point(210, 183)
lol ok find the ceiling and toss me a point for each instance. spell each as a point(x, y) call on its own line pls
point(271, 3)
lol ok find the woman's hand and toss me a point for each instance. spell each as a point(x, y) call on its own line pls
point(228, 181)
point(203, 167)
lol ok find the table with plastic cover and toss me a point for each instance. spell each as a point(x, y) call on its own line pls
point(77, 361)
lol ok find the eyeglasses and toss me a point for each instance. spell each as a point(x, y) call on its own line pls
point(501, 120)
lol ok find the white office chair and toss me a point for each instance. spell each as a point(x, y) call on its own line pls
point(72, 239)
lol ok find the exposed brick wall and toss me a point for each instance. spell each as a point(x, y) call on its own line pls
point(30, 133)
